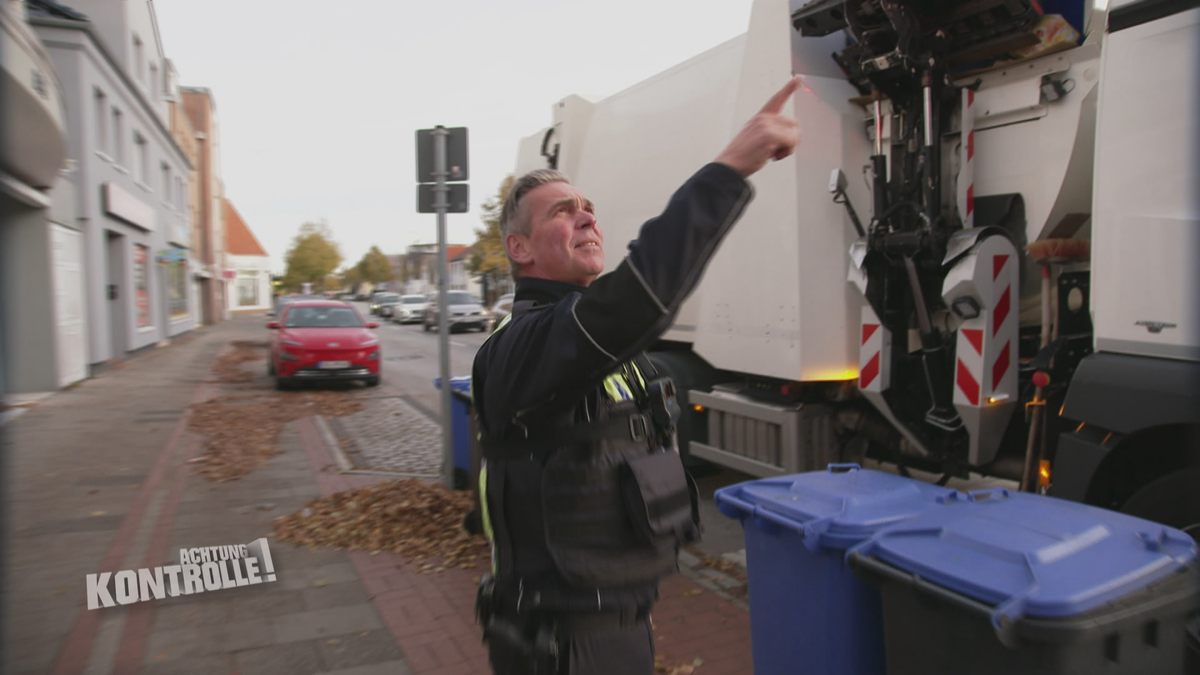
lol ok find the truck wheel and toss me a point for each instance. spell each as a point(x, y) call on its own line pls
point(1171, 500)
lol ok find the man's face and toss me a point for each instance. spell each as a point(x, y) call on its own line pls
point(564, 242)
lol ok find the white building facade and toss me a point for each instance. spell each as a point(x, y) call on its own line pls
point(131, 199)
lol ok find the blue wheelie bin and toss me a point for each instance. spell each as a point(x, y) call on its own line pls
point(809, 613)
point(460, 422)
point(1010, 582)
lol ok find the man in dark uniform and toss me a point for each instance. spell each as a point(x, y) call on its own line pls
point(582, 496)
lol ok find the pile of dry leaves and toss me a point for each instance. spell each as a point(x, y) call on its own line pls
point(242, 432)
point(228, 366)
point(419, 520)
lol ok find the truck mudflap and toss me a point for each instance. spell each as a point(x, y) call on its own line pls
point(1114, 396)
point(766, 439)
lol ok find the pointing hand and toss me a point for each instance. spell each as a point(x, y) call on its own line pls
point(769, 135)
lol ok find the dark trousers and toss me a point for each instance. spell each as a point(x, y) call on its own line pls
point(626, 651)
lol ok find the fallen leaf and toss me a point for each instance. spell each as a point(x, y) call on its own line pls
point(320, 582)
point(693, 591)
point(334, 641)
point(160, 657)
point(698, 662)
point(92, 492)
point(97, 513)
point(60, 591)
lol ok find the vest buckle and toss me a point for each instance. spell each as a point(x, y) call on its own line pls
point(638, 429)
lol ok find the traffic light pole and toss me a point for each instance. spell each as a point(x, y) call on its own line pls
point(441, 204)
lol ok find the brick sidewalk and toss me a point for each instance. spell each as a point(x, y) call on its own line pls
point(102, 482)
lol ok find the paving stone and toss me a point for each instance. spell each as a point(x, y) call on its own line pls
point(390, 434)
point(297, 658)
point(322, 623)
point(388, 668)
point(335, 595)
point(356, 649)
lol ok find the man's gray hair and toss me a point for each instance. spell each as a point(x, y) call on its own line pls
point(513, 220)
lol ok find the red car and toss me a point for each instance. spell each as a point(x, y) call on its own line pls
point(323, 340)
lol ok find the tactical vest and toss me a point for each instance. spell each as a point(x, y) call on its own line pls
point(616, 501)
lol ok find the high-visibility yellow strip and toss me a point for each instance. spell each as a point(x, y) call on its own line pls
point(483, 512)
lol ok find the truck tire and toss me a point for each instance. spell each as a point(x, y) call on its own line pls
point(1171, 500)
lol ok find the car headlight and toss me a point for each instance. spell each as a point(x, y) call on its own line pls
point(373, 355)
point(292, 343)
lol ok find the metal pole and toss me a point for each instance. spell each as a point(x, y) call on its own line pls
point(441, 202)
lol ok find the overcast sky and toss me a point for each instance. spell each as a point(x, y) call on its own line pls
point(318, 101)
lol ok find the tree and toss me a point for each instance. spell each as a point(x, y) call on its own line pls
point(488, 257)
point(313, 256)
point(351, 278)
point(375, 266)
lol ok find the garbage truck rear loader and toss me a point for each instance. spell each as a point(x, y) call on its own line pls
point(981, 257)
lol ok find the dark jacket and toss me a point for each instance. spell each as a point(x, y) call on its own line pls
point(546, 369)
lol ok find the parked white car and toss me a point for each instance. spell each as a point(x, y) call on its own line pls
point(466, 311)
point(410, 309)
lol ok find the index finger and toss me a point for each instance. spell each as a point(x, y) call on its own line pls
point(775, 105)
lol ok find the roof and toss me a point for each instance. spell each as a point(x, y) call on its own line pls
point(456, 252)
point(239, 240)
point(53, 9)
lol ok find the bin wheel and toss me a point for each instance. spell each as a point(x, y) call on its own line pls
point(1170, 500)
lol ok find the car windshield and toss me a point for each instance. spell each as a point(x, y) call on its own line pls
point(414, 299)
point(390, 298)
point(460, 298)
point(322, 317)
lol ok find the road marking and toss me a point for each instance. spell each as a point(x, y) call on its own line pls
point(458, 344)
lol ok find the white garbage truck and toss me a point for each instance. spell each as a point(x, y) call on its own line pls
point(981, 259)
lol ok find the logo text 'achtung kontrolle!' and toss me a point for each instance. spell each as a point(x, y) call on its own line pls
point(210, 568)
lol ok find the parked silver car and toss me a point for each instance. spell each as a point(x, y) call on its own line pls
point(410, 309)
point(466, 311)
point(502, 308)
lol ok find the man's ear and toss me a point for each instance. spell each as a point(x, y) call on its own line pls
point(518, 249)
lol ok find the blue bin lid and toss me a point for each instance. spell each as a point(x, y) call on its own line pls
point(462, 384)
point(836, 508)
point(1026, 554)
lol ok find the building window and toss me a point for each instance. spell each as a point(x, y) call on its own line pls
point(138, 58)
point(141, 284)
point(118, 147)
point(101, 120)
point(166, 182)
point(177, 291)
point(247, 290)
point(141, 167)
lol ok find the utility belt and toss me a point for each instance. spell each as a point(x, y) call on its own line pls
point(540, 636)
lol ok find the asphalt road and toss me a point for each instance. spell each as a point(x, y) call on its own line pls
point(411, 364)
